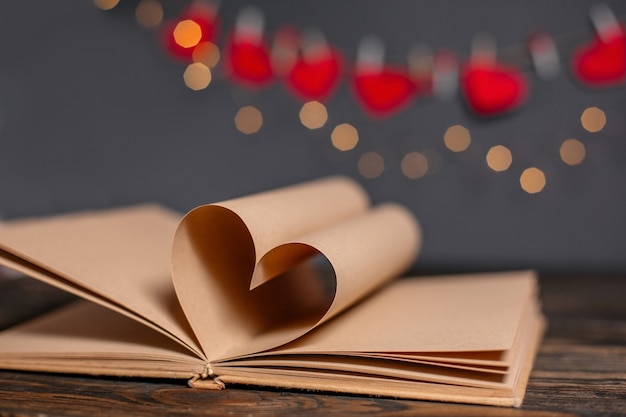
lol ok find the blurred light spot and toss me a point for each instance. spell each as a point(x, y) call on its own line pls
point(532, 180)
point(344, 137)
point(572, 151)
point(414, 165)
point(248, 120)
point(105, 4)
point(371, 165)
point(499, 158)
point(187, 33)
point(206, 53)
point(197, 76)
point(149, 13)
point(313, 115)
point(435, 162)
point(593, 119)
point(457, 138)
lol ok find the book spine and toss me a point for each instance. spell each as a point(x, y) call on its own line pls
point(207, 379)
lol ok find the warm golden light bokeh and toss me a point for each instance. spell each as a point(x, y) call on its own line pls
point(344, 137)
point(206, 53)
point(593, 119)
point(371, 165)
point(532, 180)
point(414, 165)
point(313, 115)
point(187, 33)
point(197, 76)
point(572, 151)
point(248, 120)
point(457, 138)
point(149, 13)
point(105, 4)
point(499, 158)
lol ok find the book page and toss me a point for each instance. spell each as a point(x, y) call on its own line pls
point(256, 271)
point(84, 337)
point(472, 313)
point(238, 265)
point(490, 319)
point(118, 258)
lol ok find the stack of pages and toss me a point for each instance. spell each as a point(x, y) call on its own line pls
point(292, 288)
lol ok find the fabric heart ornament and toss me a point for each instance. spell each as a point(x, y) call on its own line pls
point(490, 88)
point(382, 92)
point(602, 62)
point(247, 54)
point(380, 89)
point(315, 76)
point(248, 61)
point(197, 24)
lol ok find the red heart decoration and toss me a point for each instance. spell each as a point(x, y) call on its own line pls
point(204, 16)
point(490, 88)
point(602, 63)
point(248, 61)
point(383, 91)
point(315, 77)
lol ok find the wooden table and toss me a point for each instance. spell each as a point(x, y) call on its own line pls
point(580, 370)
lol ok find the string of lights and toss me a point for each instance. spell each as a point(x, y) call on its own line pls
point(491, 82)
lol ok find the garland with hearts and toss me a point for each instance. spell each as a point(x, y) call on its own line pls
point(311, 68)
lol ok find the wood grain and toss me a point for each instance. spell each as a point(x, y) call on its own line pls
point(580, 370)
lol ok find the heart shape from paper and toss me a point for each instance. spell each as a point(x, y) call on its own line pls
point(213, 262)
point(248, 61)
point(315, 77)
point(382, 92)
point(273, 265)
point(490, 89)
point(601, 63)
point(205, 19)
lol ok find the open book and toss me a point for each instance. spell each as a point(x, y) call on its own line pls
point(289, 288)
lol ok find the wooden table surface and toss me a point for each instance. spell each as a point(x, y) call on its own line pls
point(580, 370)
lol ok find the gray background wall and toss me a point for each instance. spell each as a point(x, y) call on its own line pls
point(94, 114)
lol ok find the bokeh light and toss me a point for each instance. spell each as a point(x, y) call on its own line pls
point(572, 151)
point(414, 165)
point(344, 137)
point(197, 76)
point(593, 119)
point(457, 138)
point(499, 158)
point(187, 33)
point(371, 165)
point(313, 115)
point(532, 180)
point(206, 53)
point(149, 13)
point(248, 120)
point(105, 4)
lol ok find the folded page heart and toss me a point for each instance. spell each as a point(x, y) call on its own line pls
point(246, 257)
point(491, 89)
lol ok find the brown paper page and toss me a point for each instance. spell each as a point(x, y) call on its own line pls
point(509, 393)
point(480, 312)
point(358, 362)
point(232, 256)
point(337, 370)
point(87, 338)
point(118, 258)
